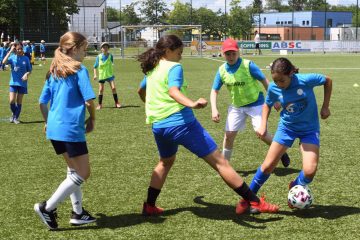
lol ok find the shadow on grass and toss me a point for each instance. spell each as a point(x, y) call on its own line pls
point(31, 122)
point(331, 212)
point(122, 106)
point(280, 172)
point(207, 210)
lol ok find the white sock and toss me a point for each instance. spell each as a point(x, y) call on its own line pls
point(71, 184)
point(76, 197)
point(227, 153)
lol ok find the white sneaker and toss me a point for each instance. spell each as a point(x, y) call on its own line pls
point(16, 121)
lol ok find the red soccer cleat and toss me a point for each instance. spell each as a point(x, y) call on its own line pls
point(149, 210)
point(263, 207)
point(242, 206)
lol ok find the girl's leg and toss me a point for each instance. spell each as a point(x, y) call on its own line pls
point(113, 89)
point(19, 100)
point(310, 156)
point(12, 101)
point(158, 178)
point(228, 143)
point(271, 160)
point(217, 161)
point(73, 182)
point(101, 94)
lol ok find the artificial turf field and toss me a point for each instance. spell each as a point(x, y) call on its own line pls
point(198, 204)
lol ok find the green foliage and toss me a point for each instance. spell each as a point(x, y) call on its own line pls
point(297, 5)
point(113, 14)
point(181, 14)
point(239, 20)
point(154, 11)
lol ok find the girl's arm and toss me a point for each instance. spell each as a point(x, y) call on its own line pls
point(214, 111)
point(175, 93)
point(90, 122)
point(44, 111)
point(265, 83)
point(142, 93)
point(8, 55)
point(325, 111)
point(261, 132)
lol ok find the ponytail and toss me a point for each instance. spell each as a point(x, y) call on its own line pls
point(284, 66)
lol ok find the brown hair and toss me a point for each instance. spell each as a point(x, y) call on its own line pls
point(63, 64)
point(284, 66)
point(152, 56)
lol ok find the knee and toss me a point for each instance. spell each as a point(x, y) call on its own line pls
point(310, 170)
point(84, 174)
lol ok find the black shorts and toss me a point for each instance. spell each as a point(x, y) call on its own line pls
point(257, 45)
point(73, 149)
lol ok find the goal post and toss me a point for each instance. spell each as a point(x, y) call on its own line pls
point(136, 39)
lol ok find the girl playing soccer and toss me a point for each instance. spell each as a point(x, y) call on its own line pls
point(69, 92)
point(20, 71)
point(104, 61)
point(170, 112)
point(298, 119)
point(241, 78)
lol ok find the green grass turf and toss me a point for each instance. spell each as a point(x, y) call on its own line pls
point(198, 204)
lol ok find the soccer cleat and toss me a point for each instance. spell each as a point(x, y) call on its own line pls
point(149, 210)
point(16, 121)
point(242, 206)
point(291, 184)
point(99, 107)
point(80, 219)
point(285, 159)
point(49, 218)
point(263, 207)
point(11, 119)
point(117, 105)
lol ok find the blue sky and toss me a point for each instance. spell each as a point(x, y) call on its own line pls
point(216, 4)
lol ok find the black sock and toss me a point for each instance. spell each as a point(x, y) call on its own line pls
point(115, 98)
point(153, 193)
point(100, 99)
point(245, 192)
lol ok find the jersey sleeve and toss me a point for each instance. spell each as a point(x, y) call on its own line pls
point(84, 84)
point(176, 76)
point(217, 84)
point(96, 65)
point(270, 96)
point(256, 72)
point(314, 79)
point(45, 93)
point(143, 83)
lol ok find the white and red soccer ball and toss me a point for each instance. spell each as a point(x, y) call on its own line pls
point(300, 197)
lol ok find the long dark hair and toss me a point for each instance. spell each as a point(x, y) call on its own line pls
point(152, 56)
point(284, 66)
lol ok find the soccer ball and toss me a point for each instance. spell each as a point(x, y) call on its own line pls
point(300, 197)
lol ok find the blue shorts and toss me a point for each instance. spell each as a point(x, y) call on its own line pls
point(18, 89)
point(110, 79)
point(73, 149)
point(191, 135)
point(287, 137)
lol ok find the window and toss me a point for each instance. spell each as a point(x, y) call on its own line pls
point(285, 22)
point(282, 23)
point(289, 22)
point(303, 22)
point(307, 23)
point(264, 20)
point(277, 22)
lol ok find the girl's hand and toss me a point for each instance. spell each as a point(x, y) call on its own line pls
point(25, 77)
point(90, 124)
point(325, 113)
point(44, 129)
point(261, 132)
point(95, 77)
point(200, 103)
point(215, 116)
point(277, 106)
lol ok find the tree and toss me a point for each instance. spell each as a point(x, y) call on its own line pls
point(257, 6)
point(239, 20)
point(34, 16)
point(129, 16)
point(209, 21)
point(154, 11)
point(112, 14)
point(273, 5)
point(180, 15)
point(297, 5)
point(315, 5)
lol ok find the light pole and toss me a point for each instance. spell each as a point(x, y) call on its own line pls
point(357, 19)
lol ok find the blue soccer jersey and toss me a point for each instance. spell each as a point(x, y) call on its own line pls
point(19, 66)
point(255, 73)
point(300, 113)
point(66, 118)
point(42, 48)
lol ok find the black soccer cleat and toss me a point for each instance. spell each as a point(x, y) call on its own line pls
point(48, 218)
point(81, 219)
